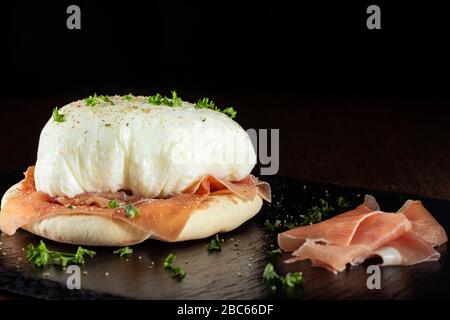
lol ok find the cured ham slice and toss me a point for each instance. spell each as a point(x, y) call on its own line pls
point(406, 250)
point(373, 232)
point(163, 217)
point(403, 238)
point(245, 188)
point(424, 225)
point(338, 230)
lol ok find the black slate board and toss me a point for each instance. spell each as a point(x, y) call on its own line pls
point(233, 273)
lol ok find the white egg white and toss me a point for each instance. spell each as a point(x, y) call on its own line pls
point(153, 151)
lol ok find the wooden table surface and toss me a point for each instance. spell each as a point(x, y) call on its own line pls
point(393, 144)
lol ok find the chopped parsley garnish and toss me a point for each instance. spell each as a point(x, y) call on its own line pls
point(342, 203)
point(114, 203)
point(124, 252)
point(176, 272)
point(276, 226)
point(91, 100)
point(106, 99)
point(290, 280)
point(40, 256)
point(275, 252)
point(170, 259)
point(156, 99)
point(107, 124)
point(209, 104)
point(316, 213)
point(176, 101)
point(270, 276)
point(230, 112)
point(58, 117)
point(206, 103)
point(128, 97)
point(269, 273)
point(214, 244)
point(131, 211)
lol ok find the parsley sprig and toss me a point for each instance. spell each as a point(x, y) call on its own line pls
point(40, 256)
point(275, 252)
point(113, 204)
point(342, 203)
point(290, 280)
point(91, 100)
point(106, 99)
point(209, 104)
point(124, 253)
point(128, 97)
point(58, 117)
point(174, 101)
point(316, 213)
point(274, 227)
point(214, 244)
point(131, 211)
point(176, 272)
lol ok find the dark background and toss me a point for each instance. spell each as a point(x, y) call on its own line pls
point(222, 46)
point(354, 106)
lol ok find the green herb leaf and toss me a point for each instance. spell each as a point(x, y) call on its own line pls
point(269, 273)
point(214, 244)
point(292, 279)
point(156, 99)
point(176, 101)
point(170, 259)
point(176, 272)
point(209, 104)
point(206, 103)
point(91, 100)
point(124, 252)
point(274, 227)
point(106, 99)
point(316, 213)
point(342, 203)
point(128, 97)
point(114, 203)
point(275, 252)
point(58, 117)
point(131, 211)
point(79, 255)
point(230, 112)
point(40, 256)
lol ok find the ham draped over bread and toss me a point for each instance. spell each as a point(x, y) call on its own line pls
point(162, 217)
point(404, 238)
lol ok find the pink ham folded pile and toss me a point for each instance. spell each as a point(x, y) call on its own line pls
point(404, 238)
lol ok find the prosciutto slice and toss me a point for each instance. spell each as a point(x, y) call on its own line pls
point(403, 238)
point(163, 217)
point(424, 225)
point(375, 231)
point(338, 230)
point(406, 250)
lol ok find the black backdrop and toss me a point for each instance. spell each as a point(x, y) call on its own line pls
point(221, 46)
